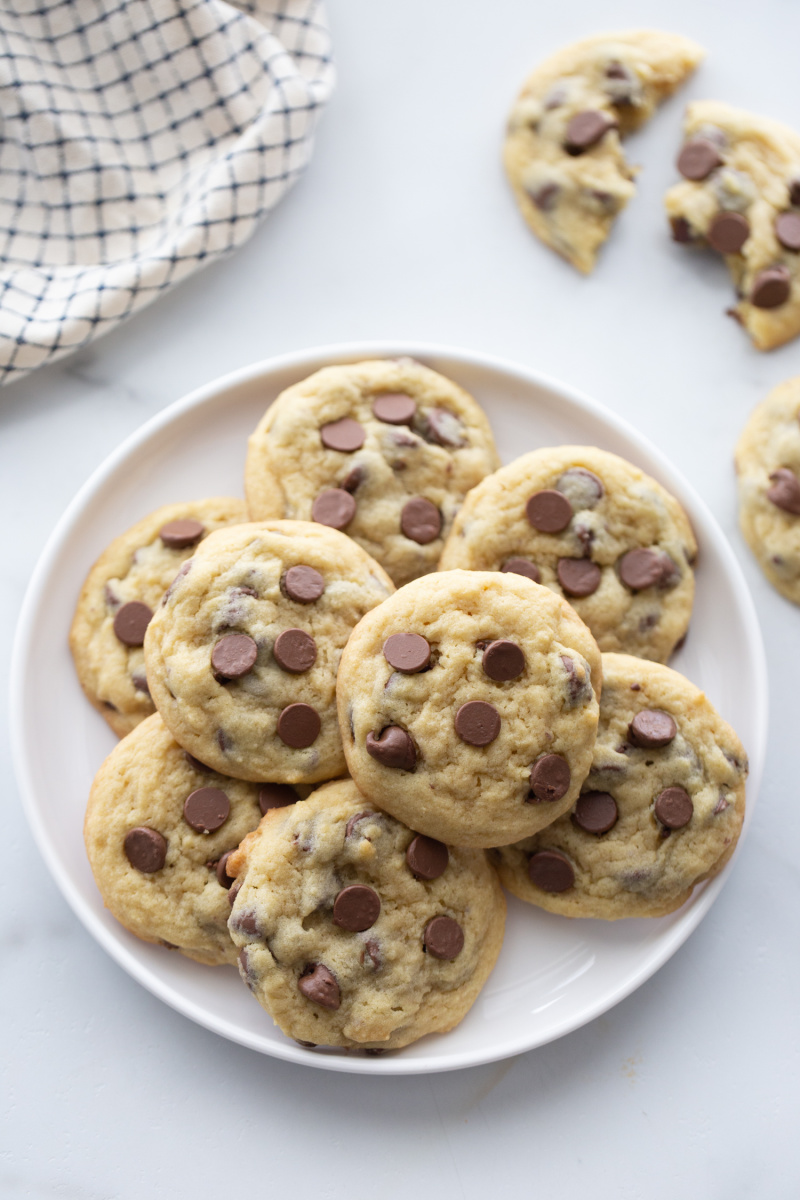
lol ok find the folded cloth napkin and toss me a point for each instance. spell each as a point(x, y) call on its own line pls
point(140, 140)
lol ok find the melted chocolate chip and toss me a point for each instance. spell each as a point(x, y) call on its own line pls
point(550, 777)
point(698, 158)
point(444, 428)
point(546, 196)
point(652, 728)
point(578, 576)
point(785, 490)
point(771, 287)
point(586, 129)
point(427, 858)
point(295, 651)
point(356, 908)
point(131, 621)
point(334, 508)
point(521, 566)
point(234, 891)
point(549, 511)
point(319, 985)
point(503, 660)
point(581, 487)
point(551, 871)
point(145, 849)
point(223, 878)
point(276, 795)
point(420, 520)
point(371, 955)
point(299, 726)
point(393, 748)
point(443, 938)
point(303, 584)
point(176, 535)
point(477, 723)
point(345, 435)
point(728, 232)
point(234, 655)
point(394, 408)
point(206, 809)
point(674, 807)
point(353, 821)
point(595, 812)
point(787, 230)
point(407, 652)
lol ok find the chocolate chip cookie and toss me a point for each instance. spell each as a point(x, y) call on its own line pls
point(740, 195)
point(117, 600)
point(384, 451)
point(563, 153)
point(159, 829)
point(595, 529)
point(661, 811)
point(468, 706)
point(243, 651)
point(768, 469)
point(355, 931)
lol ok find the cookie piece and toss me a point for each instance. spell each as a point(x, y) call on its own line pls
point(122, 589)
point(660, 812)
point(158, 828)
point(384, 451)
point(595, 529)
point(493, 732)
point(741, 196)
point(562, 152)
point(768, 471)
point(243, 652)
point(354, 931)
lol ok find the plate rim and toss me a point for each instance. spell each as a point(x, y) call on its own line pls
point(311, 359)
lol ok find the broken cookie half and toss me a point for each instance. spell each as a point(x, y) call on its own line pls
point(740, 195)
point(563, 153)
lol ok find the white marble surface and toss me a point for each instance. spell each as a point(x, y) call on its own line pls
point(404, 227)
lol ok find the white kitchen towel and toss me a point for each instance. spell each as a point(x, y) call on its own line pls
point(140, 140)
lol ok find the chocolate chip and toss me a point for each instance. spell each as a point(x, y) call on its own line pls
point(652, 728)
point(503, 660)
point(295, 651)
point(794, 191)
point(176, 535)
point(195, 763)
point(582, 488)
point(407, 652)
point(353, 821)
point(787, 230)
point(546, 196)
point(303, 584)
point(549, 511)
point(698, 158)
point(550, 777)
point(394, 408)
point(206, 809)
point(681, 230)
point(729, 231)
point(234, 655)
point(443, 938)
point(131, 621)
point(111, 597)
point(477, 723)
point(586, 129)
point(551, 871)
point(393, 748)
point(444, 428)
point(182, 572)
point(334, 507)
point(356, 908)
point(785, 490)
point(595, 812)
point(140, 683)
point(674, 807)
point(276, 795)
point(427, 858)
point(319, 985)
point(223, 878)
point(299, 726)
point(354, 479)
point(420, 520)
point(234, 892)
point(771, 287)
point(641, 568)
point(578, 576)
point(521, 566)
point(371, 955)
point(245, 922)
point(145, 849)
point(345, 435)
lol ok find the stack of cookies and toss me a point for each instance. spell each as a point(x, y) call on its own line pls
point(468, 659)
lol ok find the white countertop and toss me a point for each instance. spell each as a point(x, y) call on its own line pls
point(404, 227)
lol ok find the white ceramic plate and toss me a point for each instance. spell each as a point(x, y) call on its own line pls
point(554, 974)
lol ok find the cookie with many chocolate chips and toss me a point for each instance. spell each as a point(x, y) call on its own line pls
point(384, 451)
point(660, 812)
point(563, 153)
point(354, 931)
point(119, 596)
point(740, 196)
point(242, 653)
point(159, 828)
point(594, 528)
point(768, 471)
point(468, 706)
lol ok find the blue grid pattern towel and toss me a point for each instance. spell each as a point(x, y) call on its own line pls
point(140, 140)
